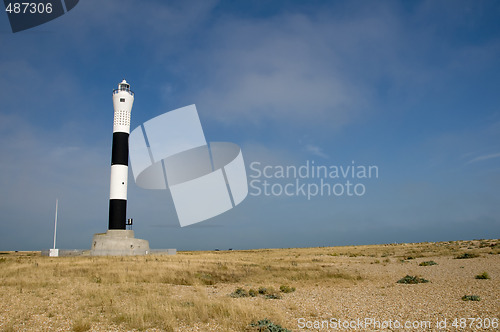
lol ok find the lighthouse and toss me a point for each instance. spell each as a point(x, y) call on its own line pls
point(119, 241)
point(123, 99)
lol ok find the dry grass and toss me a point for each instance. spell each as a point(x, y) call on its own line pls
point(191, 290)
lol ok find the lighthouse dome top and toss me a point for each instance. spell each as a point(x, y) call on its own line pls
point(123, 86)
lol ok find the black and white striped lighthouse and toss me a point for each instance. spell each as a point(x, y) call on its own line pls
point(123, 99)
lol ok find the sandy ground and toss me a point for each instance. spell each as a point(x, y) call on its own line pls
point(377, 301)
point(369, 300)
point(379, 298)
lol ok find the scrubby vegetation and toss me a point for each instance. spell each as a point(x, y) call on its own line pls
point(412, 280)
point(239, 292)
point(265, 325)
point(427, 263)
point(471, 298)
point(483, 275)
point(467, 255)
point(267, 293)
point(287, 289)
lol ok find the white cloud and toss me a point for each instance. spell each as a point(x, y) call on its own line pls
point(484, 157)
point(281, 69)
point(161, 28)
point(316, 151)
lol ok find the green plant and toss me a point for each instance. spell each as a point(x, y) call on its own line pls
point(471, 298)
point(412, 280)
point(239, 292)
point(265, 325)
point(273, 296)
point(287, 289)
point(269, 293)
point(483, 275)
point(252, 292)
point(467, 255)
point(427, 263)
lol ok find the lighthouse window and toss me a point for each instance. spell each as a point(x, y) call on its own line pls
point(122, 100)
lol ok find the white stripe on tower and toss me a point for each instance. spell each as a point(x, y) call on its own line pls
point(123, 99)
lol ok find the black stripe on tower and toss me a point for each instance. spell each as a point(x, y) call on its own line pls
point(119, 153)
point(117, 213)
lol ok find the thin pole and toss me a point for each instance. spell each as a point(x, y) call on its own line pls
point(55, 224)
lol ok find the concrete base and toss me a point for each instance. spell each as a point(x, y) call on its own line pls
point(163, 251)
point(117, 242)
point(66, 252)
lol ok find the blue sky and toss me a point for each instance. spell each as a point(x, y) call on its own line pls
point(411, 87)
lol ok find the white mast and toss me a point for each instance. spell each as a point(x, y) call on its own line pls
point(55, 224)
